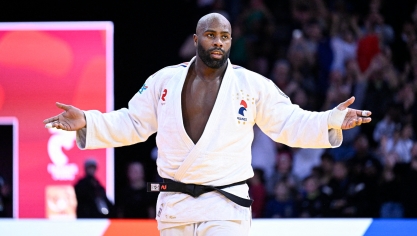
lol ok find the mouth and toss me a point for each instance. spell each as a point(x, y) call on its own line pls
point(216, 54)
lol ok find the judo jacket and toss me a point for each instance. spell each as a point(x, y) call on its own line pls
point(223, 153)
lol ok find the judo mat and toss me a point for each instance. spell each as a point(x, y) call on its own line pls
point(261, 227)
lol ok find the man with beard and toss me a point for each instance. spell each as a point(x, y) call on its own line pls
point(203, 112)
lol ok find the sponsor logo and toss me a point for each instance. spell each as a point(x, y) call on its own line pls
point(163, 187)
point(155, 187)
point(144, 87)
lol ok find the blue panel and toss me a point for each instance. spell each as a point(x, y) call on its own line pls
point(392, 227)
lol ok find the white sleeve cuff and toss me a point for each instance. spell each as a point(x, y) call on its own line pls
point(81, 138)
point(81, 135)
point(335, 137)
point(336, 117)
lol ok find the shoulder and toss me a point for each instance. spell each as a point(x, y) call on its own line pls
point(251, 76)
point(254, 80)
point(170, 70)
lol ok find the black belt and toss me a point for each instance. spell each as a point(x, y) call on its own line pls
point(196, 190)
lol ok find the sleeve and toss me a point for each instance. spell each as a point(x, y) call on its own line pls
point(125, 126)
point(287, 123)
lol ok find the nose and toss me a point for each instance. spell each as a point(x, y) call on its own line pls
point(217, 42)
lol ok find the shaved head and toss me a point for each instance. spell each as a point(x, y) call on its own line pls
point(213, 39)
point(206, 21)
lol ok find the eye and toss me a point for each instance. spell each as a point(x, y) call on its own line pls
point(225, 36)
point(210, 35)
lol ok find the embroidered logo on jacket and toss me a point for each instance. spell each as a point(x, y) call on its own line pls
point(244, 99)
point(243, 107)
point(242, 110)
point(144, 87)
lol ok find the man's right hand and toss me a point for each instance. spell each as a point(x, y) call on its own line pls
point(72, 119)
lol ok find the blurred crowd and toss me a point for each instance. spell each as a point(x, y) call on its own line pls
point(320, 53)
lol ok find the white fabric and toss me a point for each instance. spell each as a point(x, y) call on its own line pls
point(210, 228)
point(336, 118)
point(223, 153)
point(264, 152)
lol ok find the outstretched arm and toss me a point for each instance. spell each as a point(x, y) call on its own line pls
point(72, 119)
point(353, 117)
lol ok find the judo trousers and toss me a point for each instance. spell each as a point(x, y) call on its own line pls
point(210, 228)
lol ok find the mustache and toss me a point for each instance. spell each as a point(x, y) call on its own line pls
point(216, 49)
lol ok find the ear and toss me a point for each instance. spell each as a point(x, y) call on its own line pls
point(195, 38)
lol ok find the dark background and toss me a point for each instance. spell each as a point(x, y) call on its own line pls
point(6, 162)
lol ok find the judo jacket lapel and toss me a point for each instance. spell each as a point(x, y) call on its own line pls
point(208, 133)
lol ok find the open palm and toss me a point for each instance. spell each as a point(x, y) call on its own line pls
point(353, 117)
point(72, 119)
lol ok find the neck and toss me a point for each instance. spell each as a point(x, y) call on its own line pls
point(206, 72)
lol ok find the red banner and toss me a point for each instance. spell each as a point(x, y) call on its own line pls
point(40, 64)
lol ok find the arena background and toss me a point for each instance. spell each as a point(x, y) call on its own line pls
point(147, 37)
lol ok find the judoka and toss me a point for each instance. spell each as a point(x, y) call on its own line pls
point(203, 112)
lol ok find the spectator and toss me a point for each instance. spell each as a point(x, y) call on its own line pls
point(407, 174)
point(281, 75)
point(389, 191)
point(5, 198)
point(313, 203)
point(282, 204)
point(401, 142)
point(326, 168)
point(134, 201)
point(368, 47)
point(386, 127)
point(283, 171)
point(365, 171)
point(362, 158)
point(344, 35)
point(338, 190)
point(407, 98)
point(239, 52)
point(92, 201)
point(304, 161)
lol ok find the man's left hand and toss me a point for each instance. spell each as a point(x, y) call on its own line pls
point(353, 117)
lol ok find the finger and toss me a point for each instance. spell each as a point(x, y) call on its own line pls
point(54, 124)
point(50, 120)
point(359, 121)
point(342, 106)
point(363, 113)
point(366, 113)
point(351, 124)
point(59, 125)
point(63, 106)
point(367, 120)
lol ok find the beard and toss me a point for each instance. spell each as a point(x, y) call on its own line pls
point(210, 62)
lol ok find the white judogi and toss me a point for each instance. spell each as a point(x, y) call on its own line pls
point(222, 155)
